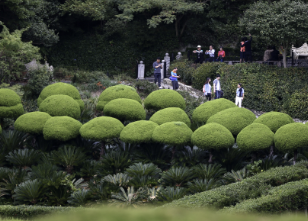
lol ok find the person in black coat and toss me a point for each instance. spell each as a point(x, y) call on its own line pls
point(247, 45)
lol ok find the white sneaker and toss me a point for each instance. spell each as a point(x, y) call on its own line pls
point(160, 87)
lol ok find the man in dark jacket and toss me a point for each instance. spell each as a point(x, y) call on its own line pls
point(247, 45)
point(157, 72)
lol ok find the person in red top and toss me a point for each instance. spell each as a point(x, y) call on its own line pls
point(221, 55)
point(242, 51)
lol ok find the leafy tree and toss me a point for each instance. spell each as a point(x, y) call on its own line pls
point(280, 22)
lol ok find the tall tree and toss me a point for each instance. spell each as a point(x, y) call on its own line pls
point(280, 22)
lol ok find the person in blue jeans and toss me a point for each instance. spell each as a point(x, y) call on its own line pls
point(174, 79)
point(217, 87)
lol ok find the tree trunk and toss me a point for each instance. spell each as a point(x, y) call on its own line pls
point(211, 156)
point(271, 152)
point(102, 153)
point(284, 58)
point(295, 157)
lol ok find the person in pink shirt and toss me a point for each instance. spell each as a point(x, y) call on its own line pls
point(221, 55)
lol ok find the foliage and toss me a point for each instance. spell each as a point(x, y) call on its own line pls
point(138, 132)
point(101, 128)
point(119, 179)
point(31, 191)
point(173, 133)
point(202, 113)
point(125, 110)
point(115, 92)
point(164, 98)
point(32, 122)
point(79, 197)
point(61, 128)
point(256, 136)
point(10, 104)
point(188, 157)
point(139, 169)
point(274, 120)
point(129, 198)
point(234, 119)
point(209, 171)
point(201, 185)
point(170, 114)
point(186, 70)
point(177, 176)
point(116, 161)
point(145, 87)
point(24, 157)
point(236, 176)
point(169, 193)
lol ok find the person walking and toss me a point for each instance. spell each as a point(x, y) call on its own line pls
point(200, 55)
point(157, 72)
point(221, 55)
point(217, 87)
point(174, 79)
point(239, 95)
point(242, 51)
point(207, 89)
point(247, 45)
point(211, 53)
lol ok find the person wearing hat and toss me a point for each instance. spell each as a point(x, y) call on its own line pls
point(157, 72)
point(200, 56)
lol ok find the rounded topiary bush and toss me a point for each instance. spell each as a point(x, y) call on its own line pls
point(61, 128)
point(138, 132)
point(212, 136)
point(173, 133)
point(234, 119)
point(170, 114)
point(32, 122)
point(202, 113)
point(255, 137)
point(60, 89)
point(164, 98)
point(10, 104)
point(101, 128)
point(125, 109)
point(291, 137)
point(115, 92)
point(274, 120)
point(60, 105)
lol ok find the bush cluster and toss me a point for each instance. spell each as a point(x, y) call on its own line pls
point(138, 132)
point(10, 104)
point(170, 114)
point(32, 122)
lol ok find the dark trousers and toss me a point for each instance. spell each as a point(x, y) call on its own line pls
point(220, 59)
point(209, 96)
point(175, 85)
point(157, 78)
point(217, 94)
point(210, 59)
point(248, 56)
point(198, 60)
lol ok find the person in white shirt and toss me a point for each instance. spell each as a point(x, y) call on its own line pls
point(217, 87)
point(211, 53)
point(239, 95)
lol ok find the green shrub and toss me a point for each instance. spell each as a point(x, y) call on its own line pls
point(285, 198)
point(61, 128)
point(249, 188)
point(101, 128)
point(234, 119)
point(177, 176)
point(145, 87)
point(202, 113)
point(274, 120)
point(60, 89)
point(170, 114)
point(169, 193)
point(10, 104)
point(255, 137)
point(60, 105)
point(30, 192)
point(88, 76)
point(138, 132)
point(173, 133)
point(291, 137)
point(164, 98)
point(125, 110)
point(115, 92)
point(206, 70)
point(32, 122)
point(212, 136)
point(24, 157)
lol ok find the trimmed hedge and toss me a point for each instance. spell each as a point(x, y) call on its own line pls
point(234, 119)
point(10, 104)
point(173, 133)
point(274, 120)
point(202, 113)
point(32, 122)
point(291, 196)
point(115, 92)
point(101, 128)
point(27, 212)
point(164, 98)
point(60, 89)
point(291, 137)
point(249, 188)
point(125, 109)
point(170, 114)
point(61, 128)
point(212, 136)
point(60, 105)
point(138, 132)
point(255, 137)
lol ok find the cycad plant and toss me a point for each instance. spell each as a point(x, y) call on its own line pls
point(201, 185)
point(31, 191)
point(23, 157)
point(177, 176)
point(130, 197)
point(14, 177)
point(209, 171)
point(79, 197)
point(90, 168)
point(153, 193)
point(189, 157)
point(69, 156)
point(169, 194)
point(119, 179)
point(116, 161)
point(236, 176)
